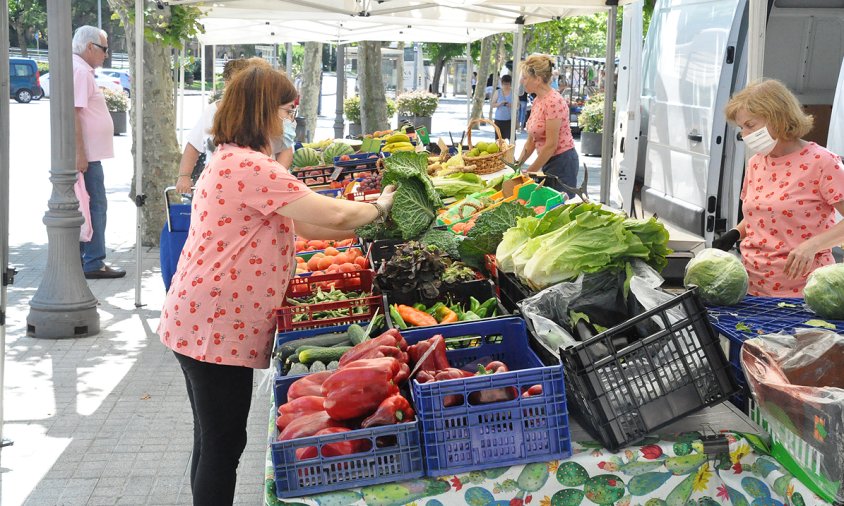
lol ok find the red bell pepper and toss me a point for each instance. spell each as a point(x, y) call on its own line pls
point(533, 391)
point(309, 385)
point(356, 390)
point(347, 447)
point(372, 348)
point(493, 394)
point(392, 410)
point(308, 425)
point(425, 377)
point(298, 407)
point(448, 374)
point(436, 360)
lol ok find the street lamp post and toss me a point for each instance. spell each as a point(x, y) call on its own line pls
point(63, 305)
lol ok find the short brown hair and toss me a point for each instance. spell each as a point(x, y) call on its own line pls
point(771, 101)
point(232, 67)
point(539, 65)
point(248, 113)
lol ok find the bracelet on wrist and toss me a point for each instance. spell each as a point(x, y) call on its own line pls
point(382, 213)
point(184, 175)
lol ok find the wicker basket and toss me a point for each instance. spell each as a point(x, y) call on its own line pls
point(490, 163)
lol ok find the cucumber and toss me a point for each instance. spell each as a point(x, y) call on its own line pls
point(356, 334)
point(324, 355)
point(344, 343)
point(288, 348)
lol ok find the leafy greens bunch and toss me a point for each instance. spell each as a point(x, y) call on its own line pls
point(578, 238)
point(416, 201)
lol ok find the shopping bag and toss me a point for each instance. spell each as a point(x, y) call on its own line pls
point(86, 232)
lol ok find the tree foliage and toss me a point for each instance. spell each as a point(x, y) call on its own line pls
point(26, 17)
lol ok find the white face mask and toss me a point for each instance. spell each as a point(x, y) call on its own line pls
point(760, 141)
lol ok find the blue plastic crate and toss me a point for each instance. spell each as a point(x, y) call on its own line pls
point(469, 437)
point(760, 315)
point(286, 337)
point(395, 455)
point(359, 160)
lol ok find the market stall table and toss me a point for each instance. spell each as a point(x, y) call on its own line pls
point(662, 470)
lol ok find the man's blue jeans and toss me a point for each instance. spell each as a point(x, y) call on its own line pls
point(94, 252)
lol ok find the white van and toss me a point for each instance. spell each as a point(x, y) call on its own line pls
point(675, 155)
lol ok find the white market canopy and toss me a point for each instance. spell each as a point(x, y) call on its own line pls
point(456, 21)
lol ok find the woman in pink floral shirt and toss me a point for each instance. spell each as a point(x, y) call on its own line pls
point(235, 267)
point(549, 131)
point(791, 191)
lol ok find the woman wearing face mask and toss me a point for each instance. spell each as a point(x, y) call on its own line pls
point(199, 138)
point(790, 193)
point(235, 267)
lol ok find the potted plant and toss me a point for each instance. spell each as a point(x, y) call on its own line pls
point(117, 104)
point(591, 122)
point(417, 107)
point(351, 108)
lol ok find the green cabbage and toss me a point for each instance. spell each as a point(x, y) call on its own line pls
point(824, 292)
point(720, 277)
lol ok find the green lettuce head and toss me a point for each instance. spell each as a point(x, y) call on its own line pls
point(720, 277)
point(824, 292)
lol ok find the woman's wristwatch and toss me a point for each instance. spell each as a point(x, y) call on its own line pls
point(382, 213)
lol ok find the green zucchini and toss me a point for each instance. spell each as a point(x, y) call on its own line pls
point(356, 334)
point(324, 355)
point(289, 348)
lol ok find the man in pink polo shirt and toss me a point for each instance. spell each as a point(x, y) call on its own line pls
point(94, 132)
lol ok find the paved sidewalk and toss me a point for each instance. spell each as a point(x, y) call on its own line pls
point(105, 419)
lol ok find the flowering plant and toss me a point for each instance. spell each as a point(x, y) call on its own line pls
point(417, 103)
point(116, 101)
point(351, 108)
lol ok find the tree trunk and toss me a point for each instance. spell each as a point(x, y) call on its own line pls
point(21, 31)
point(400, 71)
point(309, 100)
point(373, 102)
point(496, 66)
point(438, 72)
point(483, 72)
point(160, 157)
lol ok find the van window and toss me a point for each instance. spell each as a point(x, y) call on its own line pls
point(21, 70)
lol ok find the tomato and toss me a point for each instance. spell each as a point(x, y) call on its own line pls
point(362, 262)
point(313, 263)
point(331, 251)
point(347, 267)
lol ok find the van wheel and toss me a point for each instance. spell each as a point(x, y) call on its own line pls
point(24, 96)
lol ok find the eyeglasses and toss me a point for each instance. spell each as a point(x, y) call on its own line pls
point(104, 48)
point(292, 112)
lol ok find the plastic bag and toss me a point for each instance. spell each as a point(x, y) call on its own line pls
point(797, 383)
point(86, 231)
point(602, 297)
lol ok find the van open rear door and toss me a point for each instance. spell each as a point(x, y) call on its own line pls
point(628, 105)
point(690, 64)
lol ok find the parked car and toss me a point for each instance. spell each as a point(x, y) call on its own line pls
point(103, 81)
point(123, 75)
point(24, 79)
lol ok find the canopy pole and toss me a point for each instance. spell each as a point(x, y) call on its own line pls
point(204, 61)
point(469, 71)
point(8, 274)
point(609, 111)
point(339, 125)
point(214, 69)
point(139, 144)
point(181, 96)
point(516, 74)
point(756, 39)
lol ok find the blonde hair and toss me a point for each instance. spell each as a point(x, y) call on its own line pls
point(539, 65)
point(771, 101)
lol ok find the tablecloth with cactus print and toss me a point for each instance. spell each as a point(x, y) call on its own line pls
point(663, 470)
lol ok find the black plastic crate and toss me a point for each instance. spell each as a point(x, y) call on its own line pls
point(623, 393)
point(511, 291)
point(480, 289)
point(382, 249)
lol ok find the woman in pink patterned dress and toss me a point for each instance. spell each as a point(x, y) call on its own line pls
point(549, 131)
point(235, 267)
point(791, 191)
